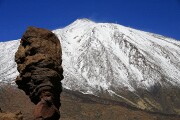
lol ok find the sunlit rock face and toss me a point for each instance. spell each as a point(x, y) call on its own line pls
point(39, 61)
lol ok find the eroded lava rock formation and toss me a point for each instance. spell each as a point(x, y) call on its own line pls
point(39, 63)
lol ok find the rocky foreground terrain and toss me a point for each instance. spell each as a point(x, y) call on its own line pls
point(76, 106)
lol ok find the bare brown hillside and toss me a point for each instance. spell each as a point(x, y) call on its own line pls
point(76, 106)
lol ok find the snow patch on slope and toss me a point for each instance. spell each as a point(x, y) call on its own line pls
point(8, 68)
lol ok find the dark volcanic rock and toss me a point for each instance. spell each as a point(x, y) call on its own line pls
point(39, 64)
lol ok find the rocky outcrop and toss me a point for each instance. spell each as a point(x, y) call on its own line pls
point(39, 63)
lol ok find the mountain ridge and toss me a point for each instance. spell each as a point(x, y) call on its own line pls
point(111, 61)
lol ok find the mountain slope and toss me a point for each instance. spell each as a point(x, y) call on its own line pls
point(76, 106)
point(8, 68)
point(114, 62)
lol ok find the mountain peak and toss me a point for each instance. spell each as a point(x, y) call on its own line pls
point(80, 22)
point(84, 20)
point(111, 60)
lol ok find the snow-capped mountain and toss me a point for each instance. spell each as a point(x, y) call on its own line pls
point(114, 62)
